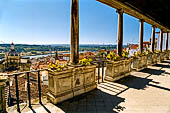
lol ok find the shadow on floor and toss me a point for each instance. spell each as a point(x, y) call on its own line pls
point(95, 101)
point(134, 82)
point(162, 66)
point(139, 83)
point(98, 101)
point(153, 71)
point(165, 61)
point(44, 107)
point(48, 111)
point(160, 87)
point(32, 110)
point(167, 73)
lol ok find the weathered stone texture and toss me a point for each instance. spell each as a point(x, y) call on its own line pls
point(71, 82)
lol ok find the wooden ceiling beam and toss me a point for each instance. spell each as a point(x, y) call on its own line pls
point(133, 11)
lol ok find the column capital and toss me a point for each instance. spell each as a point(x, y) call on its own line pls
point(154, 26)
point(161, 30)
point(141, 20)
point(120, 11)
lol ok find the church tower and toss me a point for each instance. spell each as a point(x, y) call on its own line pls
point(12, 46)
point(12, 59)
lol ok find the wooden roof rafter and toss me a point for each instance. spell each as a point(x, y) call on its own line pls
point(135, 12)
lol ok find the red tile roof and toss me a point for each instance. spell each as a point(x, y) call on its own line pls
point(134, 46)
point(146, 42)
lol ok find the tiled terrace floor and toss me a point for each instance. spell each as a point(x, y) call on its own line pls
point(147, 91)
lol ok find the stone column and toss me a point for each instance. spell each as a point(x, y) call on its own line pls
point(74, 56)
point(120, 32)
point(161, 40)
point(141, 36)
point(167, 40)
point(3, 81)
point(153, 39)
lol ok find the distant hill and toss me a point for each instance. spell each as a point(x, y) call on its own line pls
point(55, 47)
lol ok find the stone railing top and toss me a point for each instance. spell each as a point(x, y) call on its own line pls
point(3, 79)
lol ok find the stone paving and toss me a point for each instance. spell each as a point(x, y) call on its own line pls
point(146, 91)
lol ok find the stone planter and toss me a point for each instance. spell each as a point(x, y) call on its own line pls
point(169, 54)
point(71, 82)
point(3, 81)
point(143, 61)
point(162, 56)
point(158, 57)
point(149, 59)
point(136, 63)
point(121, 68)
point(127, 68)
point(154, 58)
point(116, 70)
point(139, 63)
point(166, 55)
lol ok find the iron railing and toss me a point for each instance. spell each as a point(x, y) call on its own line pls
point(100, 64)
point(28, 87)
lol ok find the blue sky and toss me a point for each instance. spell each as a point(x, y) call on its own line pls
point(48, 22)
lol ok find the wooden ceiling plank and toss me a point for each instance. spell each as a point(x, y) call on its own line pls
point(131, 10)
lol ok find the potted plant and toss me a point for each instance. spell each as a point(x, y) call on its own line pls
point(159, 56)
point(136, 64)
point(66, 81)
point(149, 57)
point(166, 54)
point(143, 60)
point(127, 61)
point(154, 58)
point(117, 67)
